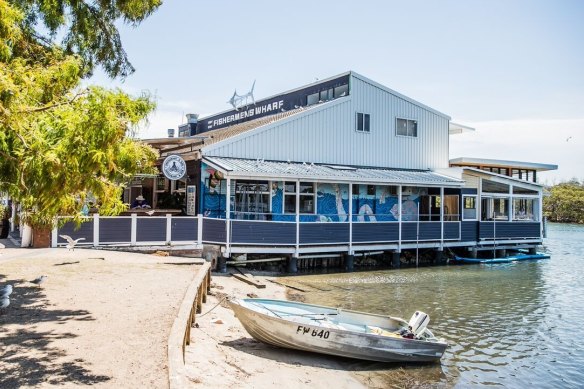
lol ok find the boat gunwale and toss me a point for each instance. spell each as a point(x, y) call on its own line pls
point(339, 330)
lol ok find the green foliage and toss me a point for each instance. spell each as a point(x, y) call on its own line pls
point(88, 28)
point(60, 142)
point(565, 203)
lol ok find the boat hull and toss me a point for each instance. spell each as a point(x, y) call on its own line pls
point(513, 258)
point(309, 336)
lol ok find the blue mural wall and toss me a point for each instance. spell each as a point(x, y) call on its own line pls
point(373, 203)
point(213, 193)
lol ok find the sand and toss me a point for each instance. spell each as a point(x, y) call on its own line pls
point(102, 318)
point(222, 354)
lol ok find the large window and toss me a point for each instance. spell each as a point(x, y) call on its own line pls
point(312, 99)
point(363, 120)
point(525, 209)
point(494, 187)
point(494, 208)
point(306, 197)
point(307, 193)
point(252, 198)
point(406, 127)
point(341, 91)
point(289, 197)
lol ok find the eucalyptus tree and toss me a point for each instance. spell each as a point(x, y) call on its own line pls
point(58, 140)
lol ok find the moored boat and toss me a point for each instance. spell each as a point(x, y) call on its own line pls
point(340, 332)
point(511, 258)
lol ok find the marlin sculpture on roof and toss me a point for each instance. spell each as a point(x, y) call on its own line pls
point(238, 101)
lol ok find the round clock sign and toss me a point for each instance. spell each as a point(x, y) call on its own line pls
point(174, 167)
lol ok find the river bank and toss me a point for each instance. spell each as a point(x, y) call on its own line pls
point(222, 354)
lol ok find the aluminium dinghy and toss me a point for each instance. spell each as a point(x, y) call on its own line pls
point(339, 332)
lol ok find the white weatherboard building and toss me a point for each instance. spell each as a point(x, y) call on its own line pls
point(341, 166)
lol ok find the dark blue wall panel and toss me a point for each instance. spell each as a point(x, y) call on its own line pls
point(152, 229)
point(509, 230)
point(214, 230)
point(451, 230)
point(324, 233)
point(375, 232)
point(85, 231)
point(427, 231)
point(469, 231)
point(117, 229)
point(408, 232)
point(430, 231)
point(184, 228)
point(250, 232)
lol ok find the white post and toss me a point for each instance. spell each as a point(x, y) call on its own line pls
point(54, 237)
point(95, 229)
point(133, 229)
point(200, 229)
point(168, 228)
point(399, 217)
point(297, 215)
point(350, 217)
point(13, 217)
point(441, 218)
point(417, 235)
point(228, 217)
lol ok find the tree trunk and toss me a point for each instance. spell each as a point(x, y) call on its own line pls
point(41, 238)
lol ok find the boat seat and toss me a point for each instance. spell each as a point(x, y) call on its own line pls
point(382, 332)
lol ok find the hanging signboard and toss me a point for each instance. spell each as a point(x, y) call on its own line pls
point(174, 167)
point(191, 197)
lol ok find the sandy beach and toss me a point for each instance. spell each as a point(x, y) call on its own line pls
point(222, 354)
point(102, 318)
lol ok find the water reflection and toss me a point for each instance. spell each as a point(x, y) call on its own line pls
point(508, 325)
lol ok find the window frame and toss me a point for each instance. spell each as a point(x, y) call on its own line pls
point(407, 120)
point(476, 208)
point(366, 120)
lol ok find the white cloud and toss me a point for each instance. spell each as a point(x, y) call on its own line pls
point(559, 142)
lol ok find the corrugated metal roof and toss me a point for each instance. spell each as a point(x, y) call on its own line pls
point(471, 162)
point(195, 143)
point(237, 167)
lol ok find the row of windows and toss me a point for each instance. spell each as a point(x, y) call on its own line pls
point(497, 209)
point(327, 94)
point(403, 127)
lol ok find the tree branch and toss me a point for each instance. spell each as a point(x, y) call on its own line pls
point(50, 106)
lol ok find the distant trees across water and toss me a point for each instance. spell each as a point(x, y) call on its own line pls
point(565, 204)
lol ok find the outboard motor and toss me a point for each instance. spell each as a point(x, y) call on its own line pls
point(418, 323)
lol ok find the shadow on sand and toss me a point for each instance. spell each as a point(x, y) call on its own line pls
point(28, 356)
point(373, 374)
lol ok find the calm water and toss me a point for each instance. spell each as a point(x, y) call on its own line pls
point(508, 325)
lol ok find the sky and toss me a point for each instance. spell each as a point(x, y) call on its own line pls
point(513, 70)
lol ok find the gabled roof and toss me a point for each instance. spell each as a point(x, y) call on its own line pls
point(248, 168)
point(403, 97)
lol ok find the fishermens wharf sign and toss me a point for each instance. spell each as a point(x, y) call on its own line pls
point(250, 110)
point(246, 113)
